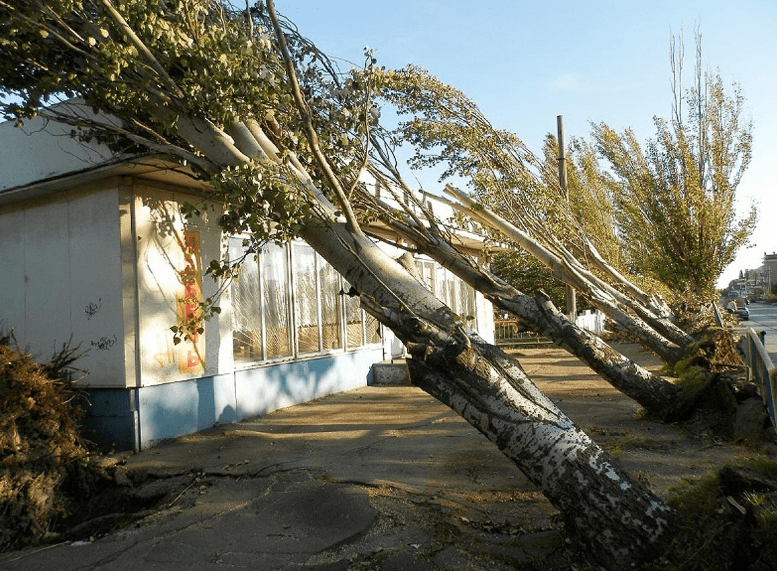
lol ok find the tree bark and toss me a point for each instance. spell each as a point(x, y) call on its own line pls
point(667, 343)
point(618, 517)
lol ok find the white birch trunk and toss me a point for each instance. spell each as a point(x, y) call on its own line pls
point(618, 517)
point(609, 301)
point(659, 396)
point(615, 515)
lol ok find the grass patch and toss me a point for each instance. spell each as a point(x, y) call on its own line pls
point(727, 520)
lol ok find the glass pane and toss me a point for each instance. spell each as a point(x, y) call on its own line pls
point(329, 281)
point(372, 327)
point(275, 292)
point(439, 290)
point(451, 299)
point(426, 269)
point(246, 306)
point(306, 298)
point(467, 297)
point(353, 319)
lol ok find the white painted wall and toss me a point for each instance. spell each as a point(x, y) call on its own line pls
point(485, 317)
point(61, 277)
point(41, 150)
point(160, 234)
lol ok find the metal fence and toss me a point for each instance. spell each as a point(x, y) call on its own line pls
point(761, 370)
point(510, 332)
point(759, 366)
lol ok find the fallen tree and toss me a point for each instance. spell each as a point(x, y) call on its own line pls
point(447, 128)
point(221, 89)
point(663, 398)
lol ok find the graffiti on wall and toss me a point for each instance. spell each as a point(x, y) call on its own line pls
point(105, 343)
point(190, 353)
point(92, 308)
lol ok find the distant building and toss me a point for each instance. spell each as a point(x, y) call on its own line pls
point(769, 271)
point(94, 249)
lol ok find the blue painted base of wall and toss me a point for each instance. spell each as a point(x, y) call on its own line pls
point(135, 419)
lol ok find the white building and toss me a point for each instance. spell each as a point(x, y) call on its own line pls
point(95, 251)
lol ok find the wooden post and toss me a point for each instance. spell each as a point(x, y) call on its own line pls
point(570, 295)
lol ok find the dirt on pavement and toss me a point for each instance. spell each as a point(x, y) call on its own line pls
point(439, 495)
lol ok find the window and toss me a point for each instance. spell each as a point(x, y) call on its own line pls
point(263, 283)
point(449, 289)
point(280, 279)
point(372, 329)
point(353, 319)
point(467, 307)
point(306, 301)
point(246, 307)
point(275, 297)
point(331, 304)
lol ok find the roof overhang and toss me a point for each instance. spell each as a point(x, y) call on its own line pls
point(162, 170)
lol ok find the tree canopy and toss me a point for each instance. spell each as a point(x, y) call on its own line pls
point(675, 201)
point(664, 215)
point(179, 77)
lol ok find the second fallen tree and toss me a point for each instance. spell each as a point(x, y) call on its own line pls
point(659, 396)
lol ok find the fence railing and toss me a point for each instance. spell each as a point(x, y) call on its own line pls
point(761, 370)
point(510, 332)
point(718, 316)
point(591, 320)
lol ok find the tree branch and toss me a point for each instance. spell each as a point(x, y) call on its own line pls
point(351, 221)
point(141, 47)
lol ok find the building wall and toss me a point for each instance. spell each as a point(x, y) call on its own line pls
point(170, 255)
point(169, 410)
point(175, 389)
point(770, 270)
point(111, 265)
point(41, 150)
point(61, 279)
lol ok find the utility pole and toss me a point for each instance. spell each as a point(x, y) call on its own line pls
point(570, 295)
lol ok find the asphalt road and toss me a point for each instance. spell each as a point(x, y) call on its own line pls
point(763, 318)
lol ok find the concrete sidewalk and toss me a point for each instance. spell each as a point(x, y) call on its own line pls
point(380, 478)
point(292, 489)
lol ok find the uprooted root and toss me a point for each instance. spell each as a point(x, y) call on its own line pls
point(39, 443)
point(51, 481)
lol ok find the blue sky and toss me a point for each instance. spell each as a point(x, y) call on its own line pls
point(525, 62)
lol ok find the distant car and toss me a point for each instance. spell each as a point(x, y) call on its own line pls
point(743, 313)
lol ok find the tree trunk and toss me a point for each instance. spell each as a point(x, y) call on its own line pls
point(659, 336)
point(618, 517)
point(659, 396)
